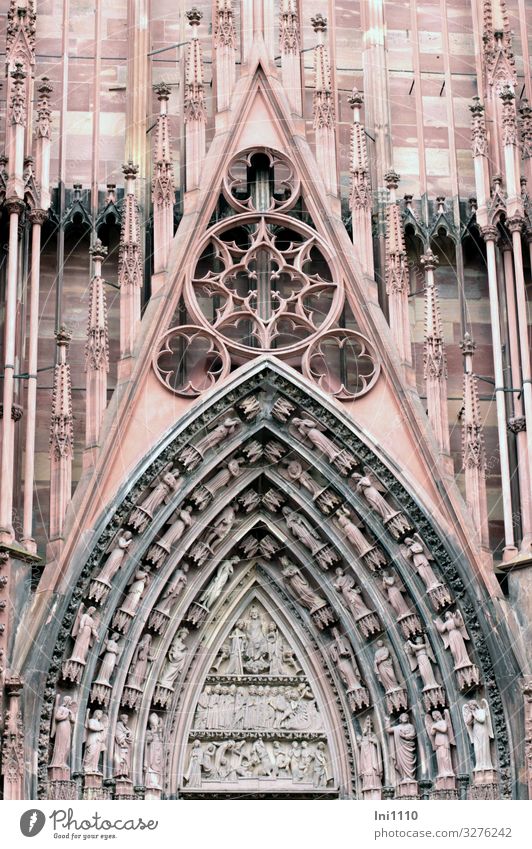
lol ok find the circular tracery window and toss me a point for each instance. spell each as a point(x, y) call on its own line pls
point(264, 283)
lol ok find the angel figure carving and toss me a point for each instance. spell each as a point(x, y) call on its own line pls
point(440, 733)
point(372, 491)
point(420, 655)
point(418, 553)
point(94, 739)
point(477, 719)
point(64, 717)
point(454, 635)
point(84, 633)
point(217, 435)
point(352, 531)
point(215, 587)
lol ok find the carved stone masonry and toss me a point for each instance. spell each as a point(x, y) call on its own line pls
point(308, 429)
point(454, 634)
point(372, 492)
point(383, 665)
point(344, 661)
point(371, 554)
point(479, 136)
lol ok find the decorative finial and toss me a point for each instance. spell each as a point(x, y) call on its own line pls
point(98, 251)
point(355, 99)
point(63, 337)
point(162, 90)
point(319, 23)
point(392, 178)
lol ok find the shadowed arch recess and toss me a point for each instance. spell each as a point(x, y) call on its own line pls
point(272, 475)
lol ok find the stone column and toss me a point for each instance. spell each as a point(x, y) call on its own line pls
point(96, 350)
point(224, 43)
point(473, 453)
point(195, 113)
point(290, 45)
point(434, 359)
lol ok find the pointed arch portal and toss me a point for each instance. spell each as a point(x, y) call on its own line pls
point(266, 609)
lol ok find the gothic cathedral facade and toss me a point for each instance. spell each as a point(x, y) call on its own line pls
point(266, 508)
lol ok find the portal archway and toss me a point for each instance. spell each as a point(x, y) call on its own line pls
point(334, 550)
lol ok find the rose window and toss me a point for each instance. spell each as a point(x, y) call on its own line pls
point(264, 280)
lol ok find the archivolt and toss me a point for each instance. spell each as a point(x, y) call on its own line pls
point(265, 401)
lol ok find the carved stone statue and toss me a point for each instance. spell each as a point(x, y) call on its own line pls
point(135, 591)
point(180, 521)
point(454, 635)
point(237, 642)
point(84, 632)
point(115, 559)
point(294, 472)
point(153, 754)
point(122, 748)
point(420, 655)
point(370, 489)
point(175, 659)
point(95, 732)
point(300, 587)
point(394, 593)
point(403, 751)
point(139, 664)
point(440, 732)
point(144, 512)
point(193, 774)
point(217, 435)
point(370, 761)
point(352, 532)
point(215, 587)
point(478, 723)
point(172, 591)
point(420, 560)
point(64, 717)
point(205, 492)
point(384, 667)
point(344, 661)
point(111, 653)
point(345, 584)
point(308, 429)
point(302, 530)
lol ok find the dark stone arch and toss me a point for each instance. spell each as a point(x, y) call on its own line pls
point(483, 620)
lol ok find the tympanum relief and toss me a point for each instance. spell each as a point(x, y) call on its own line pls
point(256, 719)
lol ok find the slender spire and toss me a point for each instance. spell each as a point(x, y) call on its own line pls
point(397, 286)
point(163, 188)
point(323, 108)
point(289, 45)
point(473, 453)
point(434, 359)
point(225, 52)
point(360, 197)
point(61, 436)
point(194, 104)
point(20, 33)
point(130, 276)
point(96, 349)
